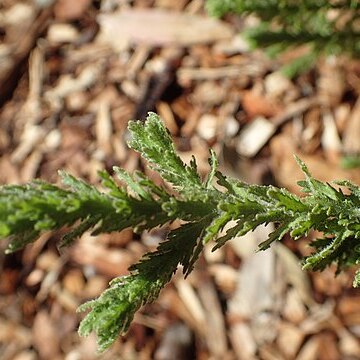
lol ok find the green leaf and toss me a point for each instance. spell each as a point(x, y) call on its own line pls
point(152, 140)
point(111, 314)
point(204, 210)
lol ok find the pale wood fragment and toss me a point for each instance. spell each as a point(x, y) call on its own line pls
point(216, 335)
point(352, 131)
point(289, 339)
point(243, 342)
point(254, 136)
point(160, 27)
point(310, 350)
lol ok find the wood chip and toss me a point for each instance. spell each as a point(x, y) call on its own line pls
point(51, 277)
point(209, 93)
point(216, 338)
point(245, 246)
point(318, 318)
point(31, 166)
point(45, 335)
point(10, 173)
point(349, 344)
point(289, 339)
point(31, 136)
point(94, 286)
point(287, 172)
point(64, 298)
point(103, 128)
point(255, 104)
point(10, 331)
point(294, 109)
point(160, 27)
point(165, 112)
point(109, 262)
point(137, 60)
point(328, 347)
point(352, 131)
point(310, 350)
point(68, 84)
point(31, 110)
point(348, 308)
point(270, 352)
point(176, 343)
point(35, 277)
point(207, 126)
point(236, 71)
point(255, 290)
point(19, 15)
point(70, 10)
point(62, 33)
point(279, 87)
point(225, 277)
point(330, 138)
point(68, 107)
point(294, 308)
point(243, 341)
point(26, 355)
point(74, 282)
point(331, 82)
point(231, 127)
point(21, 47)
point(192, 303)
point(295, 276)
point(254, 136)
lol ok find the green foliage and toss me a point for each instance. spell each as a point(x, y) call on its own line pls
point(350, 161)
point(204, 207)
point(327, 27)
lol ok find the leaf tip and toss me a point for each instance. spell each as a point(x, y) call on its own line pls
point(302, 166)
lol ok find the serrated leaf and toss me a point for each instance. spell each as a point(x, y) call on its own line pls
point(28, 210)
point(152, 140)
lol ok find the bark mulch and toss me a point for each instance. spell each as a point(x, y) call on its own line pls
point(72, 73)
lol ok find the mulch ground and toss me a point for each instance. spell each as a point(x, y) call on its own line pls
point(72, 74)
